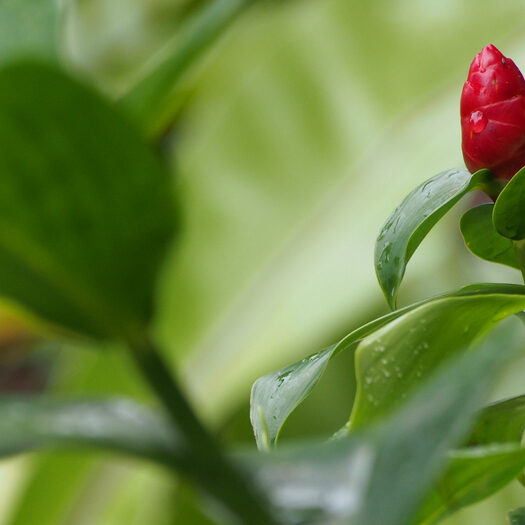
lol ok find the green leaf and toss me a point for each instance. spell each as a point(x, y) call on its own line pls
point(414, 218)
point(482, 239)
point(276, 395)
point(28, 28)
point(500, 422)
point(86, 210)
point(507, 215)
point(396, 358)
point(118, 425)
point(151, 100)
point(517, 516)
point(472, 475)
point(383, 474)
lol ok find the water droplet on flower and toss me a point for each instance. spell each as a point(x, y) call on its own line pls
point(478, 121)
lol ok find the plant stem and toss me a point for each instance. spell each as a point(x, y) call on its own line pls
point(206, 464)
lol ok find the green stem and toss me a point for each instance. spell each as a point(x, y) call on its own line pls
point(207, 465)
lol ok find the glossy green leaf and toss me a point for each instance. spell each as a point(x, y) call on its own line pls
point(276, 395)
point(383, 474)
point(517, 516)
point(119, 425)
point(414, 218)
point(472, 475)
point(151, 100)
point(396, 358)
point(28, 28)
point(482, 239)
point(508, 210)
point(500, 422)
point(86, 210)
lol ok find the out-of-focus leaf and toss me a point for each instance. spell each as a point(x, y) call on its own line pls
point(383, 474)
point(500, 422)
point(517, 516)
point(86, 210)
point(414, 218)
point(150, 101)
point(276, 395)
point(507, 215)
point(119, 425)
point(28, 28)
point(482, 239)
point(472, 475)
point(397, 357)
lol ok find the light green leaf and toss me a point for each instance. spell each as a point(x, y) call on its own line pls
point(396, 358)
point(500, 422)
point(472, 475)
point(382, 475)
point(28, 28)
point(86, 210)
point(507, 215)
point(482, 239)
point(517, 516)
point(119, 425)
point(414, 218)
point(151, 100)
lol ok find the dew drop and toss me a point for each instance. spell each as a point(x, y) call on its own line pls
point(478, 121)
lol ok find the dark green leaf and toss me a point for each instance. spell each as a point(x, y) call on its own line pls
point(473, 475)
point(396, 358)
point(482, 239)
point(414, 218)
point(151, 101)
point(275, 396)
point(86, 210)
point(508, 210)
point(119, 425)
point(383, 474)
point(28, 28)
point(500, 422)
point(517, 516)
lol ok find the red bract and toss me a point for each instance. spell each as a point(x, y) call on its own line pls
point(493, 115)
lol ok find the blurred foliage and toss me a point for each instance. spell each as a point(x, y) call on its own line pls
point(289, 128)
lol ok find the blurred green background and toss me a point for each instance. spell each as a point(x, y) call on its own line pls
point(297, 135)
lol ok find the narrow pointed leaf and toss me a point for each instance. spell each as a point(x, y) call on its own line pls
point(383, 474)
point(414, 218)
point(150, 101)
point(482, 239)
point(86, 209)
point(396, 358)
point(276, 395)
point(508, 210)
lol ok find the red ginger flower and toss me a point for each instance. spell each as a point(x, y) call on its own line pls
point(493, 115)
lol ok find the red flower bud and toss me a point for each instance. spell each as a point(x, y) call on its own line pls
point(493, 115)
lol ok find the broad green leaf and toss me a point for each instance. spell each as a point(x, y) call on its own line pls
point(414, 218)
point(86, 210)
point(151, 100)
point(473, 474)
point(500, 422)
point(28, 28)
point(507, 215)
point(276, 395)
point(482, 239)
point(517, 516)
point(382, 475)
point(119, 425)
point(396, 358)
